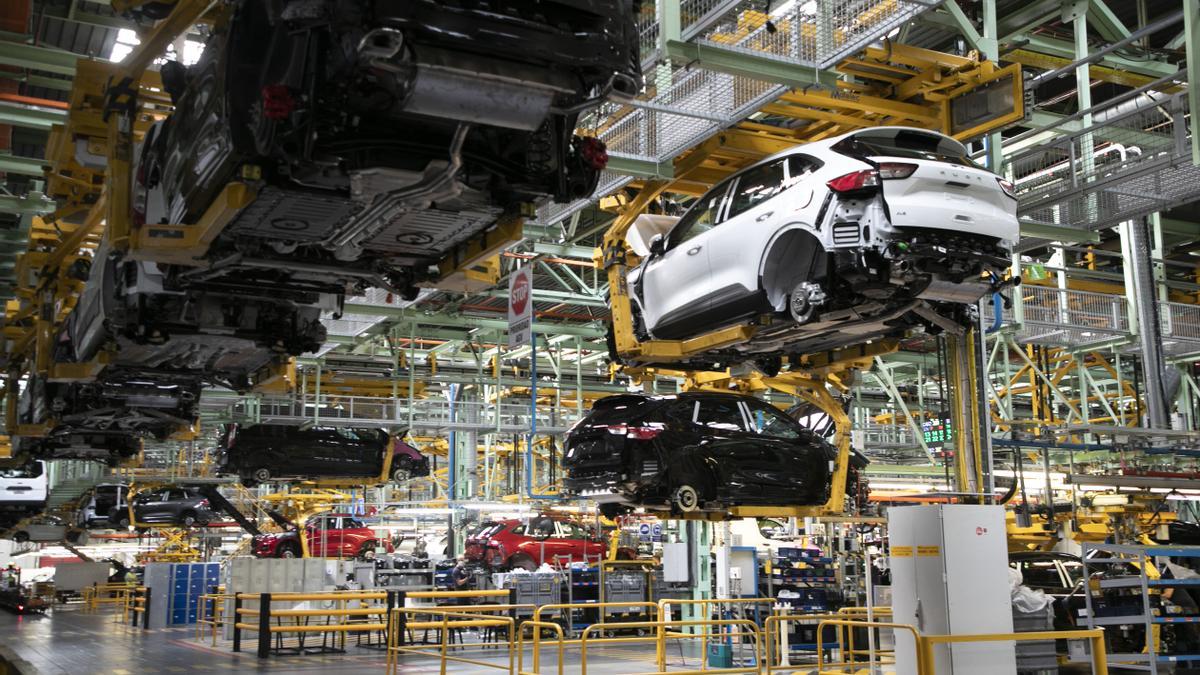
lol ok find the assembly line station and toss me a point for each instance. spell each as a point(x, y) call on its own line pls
point(831, 337)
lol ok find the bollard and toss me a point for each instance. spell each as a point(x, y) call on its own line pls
point(401, 601)
point(264, 625)
point(146, 610)
point(237, 617)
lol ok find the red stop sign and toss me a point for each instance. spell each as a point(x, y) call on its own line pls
point(520, 294)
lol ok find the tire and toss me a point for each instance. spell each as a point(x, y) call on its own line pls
point(123, 520)
point(685, 498)
point(289, 549)
point(188, 518)
point(522, 561)
point(368, 551)
point(21, 537)
point(402, 472)
point(261, 475)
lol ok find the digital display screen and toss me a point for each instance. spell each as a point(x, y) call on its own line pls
point(938, 432)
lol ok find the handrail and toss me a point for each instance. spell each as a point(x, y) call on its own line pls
point(397, 626)
point(662, 635)
point(537, 653)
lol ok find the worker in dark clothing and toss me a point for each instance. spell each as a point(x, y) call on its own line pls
point(461, 576)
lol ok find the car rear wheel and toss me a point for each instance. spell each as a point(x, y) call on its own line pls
point(21, 537)
point(123, 520)
point(261, 475)
point(187, 518)
point(368, 551)
point(686, 498)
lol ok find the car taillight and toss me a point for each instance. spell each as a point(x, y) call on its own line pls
point(277, 101)
point(1008, 187)
point(203, 502)
point(637, 433)
point(892, 170)
point(859, 180)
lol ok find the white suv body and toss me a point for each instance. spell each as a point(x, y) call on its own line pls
point(829, 244)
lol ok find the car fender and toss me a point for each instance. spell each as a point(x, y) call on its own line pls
point(778, 280)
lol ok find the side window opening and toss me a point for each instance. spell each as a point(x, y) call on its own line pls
point(756, 186)
point(720, 415)
point(701, 217)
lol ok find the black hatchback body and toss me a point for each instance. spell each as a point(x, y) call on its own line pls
point(266, 452)
point(695, 451)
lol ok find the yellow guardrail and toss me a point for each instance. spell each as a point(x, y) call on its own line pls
point(661, 637)
point(104, 594)
point(397, 646)
point(212, 614)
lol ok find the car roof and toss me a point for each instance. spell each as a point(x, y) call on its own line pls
point(826, 143)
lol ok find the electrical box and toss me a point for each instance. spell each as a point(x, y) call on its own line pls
point(675, 563)
point(949, 567)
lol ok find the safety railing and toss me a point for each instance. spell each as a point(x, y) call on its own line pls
point(1068, 317)
point(1133, 161)
point(211, 615)
point(776, 628)
point(735, 630)
point(687, 102)
point(101, 595)
point(448, 622)
point(136, 609)
point(1180, 327)
point(339, 617)
point(367, 411)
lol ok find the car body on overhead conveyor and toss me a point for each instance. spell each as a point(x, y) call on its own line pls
point(367, 140)
point(832, 243)
point(267, 452)
point(694, 451)
point(147, 352)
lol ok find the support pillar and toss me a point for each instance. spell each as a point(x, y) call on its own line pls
point(1149, 329)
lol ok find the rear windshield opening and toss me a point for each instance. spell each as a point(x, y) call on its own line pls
point(623, 409)
point(906, 145)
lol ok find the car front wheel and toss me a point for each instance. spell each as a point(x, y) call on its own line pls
point(187, 518)
point(289, 550)
point(368, 551)
point(686, 498)
point(21, 537)
point(260, 475)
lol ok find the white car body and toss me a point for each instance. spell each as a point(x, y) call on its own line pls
point(859, 262)
point(21, 491)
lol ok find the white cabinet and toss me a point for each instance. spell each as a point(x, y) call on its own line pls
point(950, 577)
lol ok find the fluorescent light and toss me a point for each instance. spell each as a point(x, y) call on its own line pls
point(485, 506)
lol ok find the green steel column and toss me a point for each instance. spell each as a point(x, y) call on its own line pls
point(1191, 14)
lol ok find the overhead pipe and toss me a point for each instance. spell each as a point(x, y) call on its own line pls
point(1165, 22)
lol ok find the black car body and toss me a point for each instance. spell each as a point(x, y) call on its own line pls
point(378, 136)
point(174, 504)
point(698, 450)
point(1058, 575)
point(266, 452)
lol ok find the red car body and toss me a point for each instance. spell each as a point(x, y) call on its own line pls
point(513, 543)
point(337, 535)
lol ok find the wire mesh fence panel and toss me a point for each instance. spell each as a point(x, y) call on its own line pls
point(1134, 160)
point(1067, 317)
point(684, 103)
